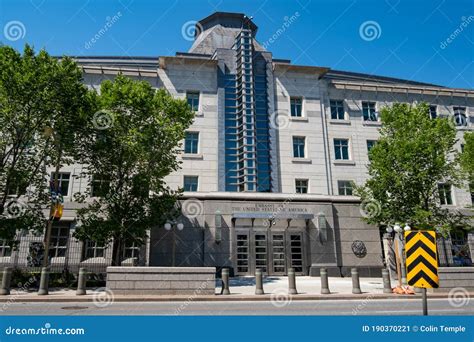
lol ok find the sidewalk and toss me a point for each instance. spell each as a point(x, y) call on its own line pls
point(241, 288)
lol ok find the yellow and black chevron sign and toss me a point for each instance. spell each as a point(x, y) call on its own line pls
point(421, 259)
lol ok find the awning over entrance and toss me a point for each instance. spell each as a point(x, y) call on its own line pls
point(273, 216)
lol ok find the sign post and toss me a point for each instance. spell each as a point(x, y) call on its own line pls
point(422, 262)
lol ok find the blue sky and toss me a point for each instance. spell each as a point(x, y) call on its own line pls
point(410, 40)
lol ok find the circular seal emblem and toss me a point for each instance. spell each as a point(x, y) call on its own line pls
point(359, 249)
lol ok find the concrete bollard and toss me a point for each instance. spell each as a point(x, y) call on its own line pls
point(259, 282)
point(6, 280)
point(225, 281)
point(323, 273)
point(292, 281)
point(355, 281)
point(44, 282)
point(387, 287)
point(81, 282)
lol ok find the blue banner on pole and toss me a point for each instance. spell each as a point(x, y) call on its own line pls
point(237, 328)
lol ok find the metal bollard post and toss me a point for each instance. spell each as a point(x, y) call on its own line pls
point(258, 281)
point(292, 281)
point(44, 282)
point(225, 281)
point(324, 281)
point(81, 282)
point(387, 287)
point(6, 280)
point(355, 281)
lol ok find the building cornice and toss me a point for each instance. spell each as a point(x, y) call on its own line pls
point(164, 61)
point(99, 70)
point(304, 69)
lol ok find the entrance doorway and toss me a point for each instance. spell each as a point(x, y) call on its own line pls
point(272, 251)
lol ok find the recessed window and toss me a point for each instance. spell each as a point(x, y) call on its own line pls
point(433, 111)
point(131, 250)
point(370, 144)
point(337, 109)
point(298, 147)
point(445, 196)
point(100, 186)
point(368, 110)
point(59, 240)
point(63, 182)
point(190, 183)
point(341, 149)
point(5, 248)
point(301, 186)
point(296, 104)
point(93, 250)
point(191, 142)
point(344, 187)
point(193, 100)
point(460, 117)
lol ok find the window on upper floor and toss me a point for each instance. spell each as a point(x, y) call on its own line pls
point(341, 149)
point(190, 183)
point(344, 187)
point(63, 182)
point(296, 106)
point(368, 111)
point(299, 147)
point(301, 186)
point(370, 144)
point(337, 109)
point(100, 186)
point(445, 196)
point(191, 142)
point(460, 117)
point(433, 111)
point(193, 100)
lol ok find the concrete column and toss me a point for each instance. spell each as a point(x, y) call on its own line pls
point(6, 280)
point(258, 281)
point(355, 281)
point(292, 281)
point(81, 282)
point(225, 281)
point(324, 281)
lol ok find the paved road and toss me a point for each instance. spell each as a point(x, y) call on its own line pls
point(325, 307)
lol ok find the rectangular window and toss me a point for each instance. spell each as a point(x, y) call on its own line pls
point(190, 183)
point(460, 117)
point(100, 186)
point(445, 196)
point(193, 100)
point(298, 147)
point(63, 182)
point(296, 104)
point(301, 186)
point(344, 188)
point(191, 142)
point(93, 250)
point(337, 109)
point(370, 144)
point(368, 110)
point(433, 111)
point(59, 241)
point(5, 248)
point(341, 149)
point(131, 250)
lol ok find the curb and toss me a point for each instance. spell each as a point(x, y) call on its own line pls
point(216, 298)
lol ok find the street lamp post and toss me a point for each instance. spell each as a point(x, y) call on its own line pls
point(397, 231)
point(173, 226)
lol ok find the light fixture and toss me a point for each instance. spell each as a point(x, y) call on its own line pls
point(389, 229)
point(168, 226)
point(218, 226)
point(397, 228)
point(407, 228)
point(180, 226)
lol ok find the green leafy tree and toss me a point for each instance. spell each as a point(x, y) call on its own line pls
point(133, 144)
point(467, 157)
point(412, 157)
point(41, 100)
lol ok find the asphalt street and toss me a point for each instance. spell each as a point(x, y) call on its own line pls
point(283, 306)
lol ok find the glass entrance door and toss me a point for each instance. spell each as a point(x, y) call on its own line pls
point(261, 251)
point(296, 252)
point(278, 254)
point(243, 262)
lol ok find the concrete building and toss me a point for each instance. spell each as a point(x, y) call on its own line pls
point(268, 162)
